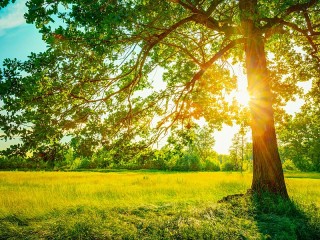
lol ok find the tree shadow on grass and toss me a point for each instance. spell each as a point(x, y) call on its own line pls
point(276, 217)
point(241, 216)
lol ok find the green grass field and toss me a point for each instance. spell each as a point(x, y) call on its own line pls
point(153, 205)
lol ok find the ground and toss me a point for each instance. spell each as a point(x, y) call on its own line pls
point(154, 205)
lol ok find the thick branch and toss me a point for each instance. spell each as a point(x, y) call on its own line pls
point(294, 8)
point(207, 64)
point(309, 24)
point(203, 17)
point(299, 7)
point(305, 33)
point(190, 85)
point(212, 7)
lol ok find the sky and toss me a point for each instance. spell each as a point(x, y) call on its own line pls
point(18, 40)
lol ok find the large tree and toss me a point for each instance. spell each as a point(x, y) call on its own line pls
point(101, 60)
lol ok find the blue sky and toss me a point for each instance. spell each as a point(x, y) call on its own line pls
point(17, 39)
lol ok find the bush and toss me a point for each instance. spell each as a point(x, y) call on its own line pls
point(210, 165)
point(247, 165)
point(102, 159)
point(18, 162)
point(227, 166)
point(172, 162)
point(76, 164)
point(303, 163)
point(289, 165)
point(81, 163)
point(188, 162)
point(4, 162)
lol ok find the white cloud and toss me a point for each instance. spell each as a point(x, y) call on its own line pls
point(12, 16)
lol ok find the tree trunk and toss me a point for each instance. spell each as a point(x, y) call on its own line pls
point(267, 169)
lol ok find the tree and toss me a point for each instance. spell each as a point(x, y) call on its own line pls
point(204, 142)
point(238, 149)
point(196, 139)
point(299, 135)
point(99, 61)
point(191, 148)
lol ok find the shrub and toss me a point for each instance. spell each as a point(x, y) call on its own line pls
point(289, 165)
point(210, 165)
point(303, 163)
point(76, 164)
point(188, 162)
point(172, 162)
point(102, 159)
point(18, 162)
point(227, 166)
point(4, 162)
point(247, 165)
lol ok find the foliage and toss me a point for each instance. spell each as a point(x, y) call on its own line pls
point(188, 162)
point(211, 165)
point(191, 149)
point(89, 82)
point(227, 166)
point(241, 149)
point(300, 135)
point(289, 165)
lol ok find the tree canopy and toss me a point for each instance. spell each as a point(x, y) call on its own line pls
point(132, 69)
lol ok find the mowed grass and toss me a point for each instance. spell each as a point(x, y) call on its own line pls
point(152, 205)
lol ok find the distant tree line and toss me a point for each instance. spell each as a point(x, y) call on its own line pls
point(186, 149)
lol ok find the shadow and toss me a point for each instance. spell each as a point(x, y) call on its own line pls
point(276, 217)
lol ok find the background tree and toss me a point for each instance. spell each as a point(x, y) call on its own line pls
point(300, 135)
point(203, 143)
point(191, 149)
point(239, 149)
point(98, 63)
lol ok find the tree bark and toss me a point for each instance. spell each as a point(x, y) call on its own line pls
point(267, 169)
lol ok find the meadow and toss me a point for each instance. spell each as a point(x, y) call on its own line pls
point(154, 205)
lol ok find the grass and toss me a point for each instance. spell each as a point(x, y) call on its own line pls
point(153, 205)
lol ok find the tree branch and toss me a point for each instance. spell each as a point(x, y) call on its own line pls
point(294, 8)
point(212, 7)
point(299, 7)
point(305, 33)
point(309, 24)
point(207, 64)
point(203, 17)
